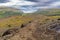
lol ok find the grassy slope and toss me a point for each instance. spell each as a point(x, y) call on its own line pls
point(12, 17)
point(15, 18)
point(49, 12)
point(6, 12)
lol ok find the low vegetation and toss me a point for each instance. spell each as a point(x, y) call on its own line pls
point(12, 20)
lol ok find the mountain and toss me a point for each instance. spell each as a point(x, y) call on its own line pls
point(9, 11)
point(50, 12)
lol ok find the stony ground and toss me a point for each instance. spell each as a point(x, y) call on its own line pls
point(34, 30)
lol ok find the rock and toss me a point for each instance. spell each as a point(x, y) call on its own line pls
point(34, 31)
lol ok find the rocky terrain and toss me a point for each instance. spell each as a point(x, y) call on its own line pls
point(34, 30)
point(41, 25)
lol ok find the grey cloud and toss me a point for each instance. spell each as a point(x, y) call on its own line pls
point(43, 2)
point(4, 1)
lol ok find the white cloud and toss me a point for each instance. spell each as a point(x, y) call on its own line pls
point(25, 3)
point(17, 2)
point(55, 4)
point(41, 4)
point(31, 11)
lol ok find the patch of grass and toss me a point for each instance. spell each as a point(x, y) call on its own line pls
point(14, 21)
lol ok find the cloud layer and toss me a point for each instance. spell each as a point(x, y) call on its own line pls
point(30, 5)
point(4, 1)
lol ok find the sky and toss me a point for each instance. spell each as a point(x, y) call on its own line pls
point(29, 6)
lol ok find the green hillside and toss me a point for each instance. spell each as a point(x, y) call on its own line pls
point(7, 11)
point(49, 12)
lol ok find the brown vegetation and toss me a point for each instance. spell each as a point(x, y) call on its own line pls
point(37, 27)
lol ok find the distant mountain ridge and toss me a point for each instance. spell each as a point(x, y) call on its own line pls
point(9, 11)
point(51, 12)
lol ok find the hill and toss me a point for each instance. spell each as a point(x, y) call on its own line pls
point(49, 12)
point(15, 25)
point(8, 11)
point(32, 27)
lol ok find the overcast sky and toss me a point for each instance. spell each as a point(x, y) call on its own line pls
point(30, 5)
